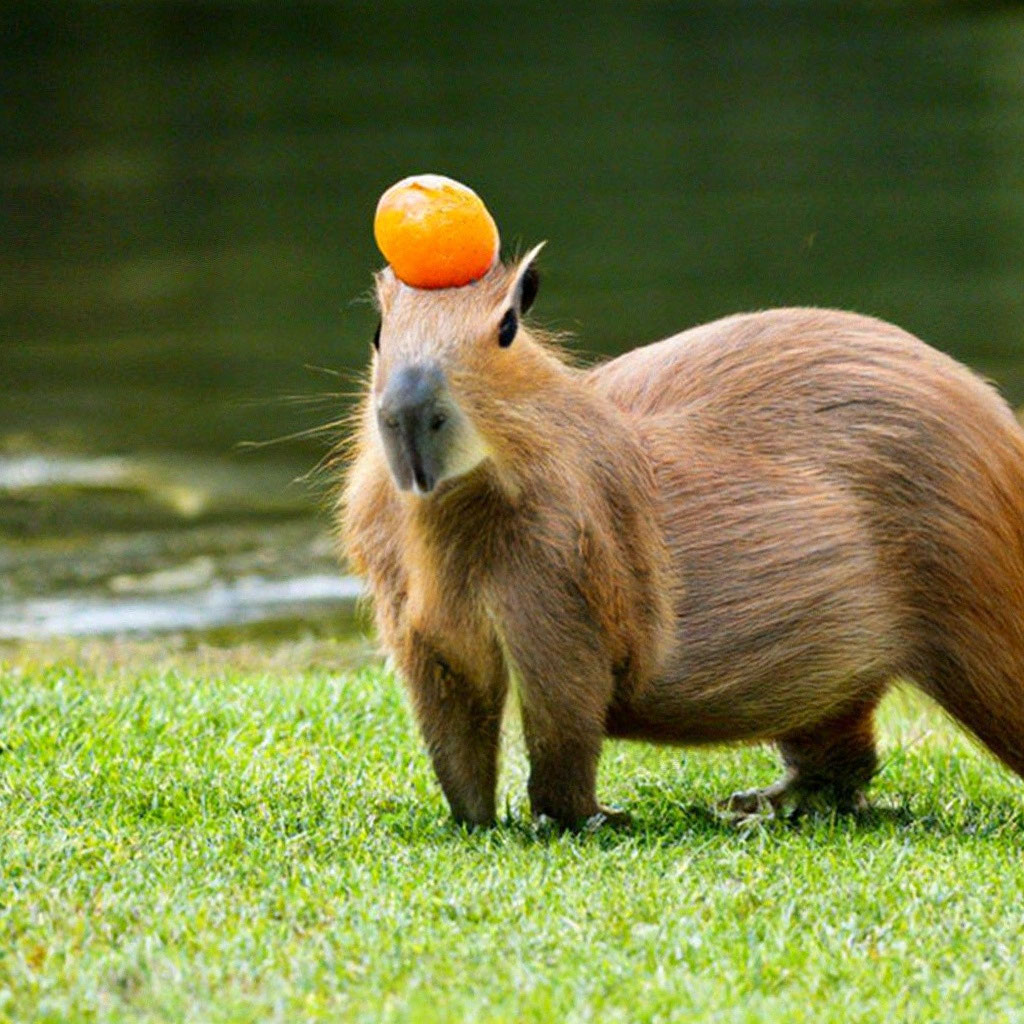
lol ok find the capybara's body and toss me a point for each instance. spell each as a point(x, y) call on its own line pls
point(744, 532)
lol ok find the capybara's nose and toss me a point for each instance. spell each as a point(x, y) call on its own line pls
point(411, 417)
point(411, 393)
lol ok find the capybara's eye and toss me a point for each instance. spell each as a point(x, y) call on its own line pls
point(391, 422)
point(438, 421)
point(376, 337)
point(507, 328)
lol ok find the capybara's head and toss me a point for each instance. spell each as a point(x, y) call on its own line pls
point(448, 364)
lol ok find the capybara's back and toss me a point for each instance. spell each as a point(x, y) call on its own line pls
point(745, 532)
point(844, 505)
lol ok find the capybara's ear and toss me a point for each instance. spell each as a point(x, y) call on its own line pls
point(386, 286)
point(524, 282)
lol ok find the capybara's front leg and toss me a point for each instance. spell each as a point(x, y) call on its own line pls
point(565, 685)
point(563, 767)
point(460, 720)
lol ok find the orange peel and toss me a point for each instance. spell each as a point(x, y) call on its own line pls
point(435, 232)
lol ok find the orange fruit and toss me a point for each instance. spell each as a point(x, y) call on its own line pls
point(435, 232)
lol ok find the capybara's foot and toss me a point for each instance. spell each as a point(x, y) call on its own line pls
point(756, 803)
point(605, 817)
point(787, 799)
point(609, 817)
point(474, 824)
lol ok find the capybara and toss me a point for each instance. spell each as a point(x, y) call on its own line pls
point(744, 532)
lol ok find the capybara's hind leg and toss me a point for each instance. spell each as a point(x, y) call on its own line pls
point(986, 699)
point(828, 765)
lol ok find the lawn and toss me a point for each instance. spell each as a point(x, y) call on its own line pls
point(260, 839)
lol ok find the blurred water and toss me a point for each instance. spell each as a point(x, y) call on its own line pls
point(129, 544)
point(186, 191)
point(238, 603)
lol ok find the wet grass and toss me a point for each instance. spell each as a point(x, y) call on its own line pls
point(203, 841)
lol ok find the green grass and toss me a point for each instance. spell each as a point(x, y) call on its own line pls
point(213, 843)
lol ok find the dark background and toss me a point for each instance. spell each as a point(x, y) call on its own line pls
point(187, 189)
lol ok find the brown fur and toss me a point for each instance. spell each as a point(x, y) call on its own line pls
point(744, 532)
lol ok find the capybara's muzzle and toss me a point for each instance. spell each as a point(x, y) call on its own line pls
point(412, 417)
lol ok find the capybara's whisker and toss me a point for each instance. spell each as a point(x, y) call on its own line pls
point(298, 435)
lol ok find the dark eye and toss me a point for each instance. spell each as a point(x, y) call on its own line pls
point(438, 421)
point(376, 337)
point(507, 328)
point(391, 422)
